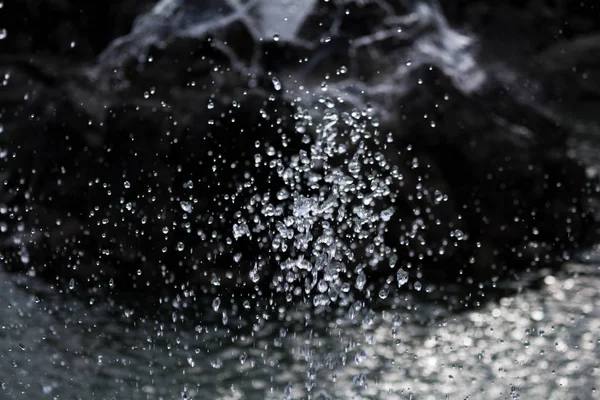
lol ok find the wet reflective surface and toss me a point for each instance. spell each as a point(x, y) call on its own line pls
point(540, 343)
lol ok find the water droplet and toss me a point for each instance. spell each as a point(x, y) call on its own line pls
point(186, 206)
point(3, 34)
point(254, 276)
point(127, 184)
point(361, 280)
point(360, 357)
point(224, 318)
point(240, 229)
point(458, 234)
point(216, 364)
point(276, 37)
point(216, 303)
point(354, 166)
point(347, 118)
point(402, 277)
point(322, 286)
point(360, 380)
point(321, 300)
point(276, 84)
point(180, 246)
point(386, 215)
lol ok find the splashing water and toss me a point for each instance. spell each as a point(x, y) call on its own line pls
point(324, 234)
point(197, 18)
point(326, 227)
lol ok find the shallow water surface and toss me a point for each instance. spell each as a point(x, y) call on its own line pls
point(536, 344)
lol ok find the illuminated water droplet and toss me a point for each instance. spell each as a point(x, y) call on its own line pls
point(361, 280)
point(216, 303)
point(186, 206)
point(402, 277)
point(276, 84)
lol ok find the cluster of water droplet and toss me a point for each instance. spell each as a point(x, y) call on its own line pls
point(326, 225)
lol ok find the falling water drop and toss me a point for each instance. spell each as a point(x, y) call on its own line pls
point(402, 277)
point(186, 206)
point(216, 303)
point(276, 84)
